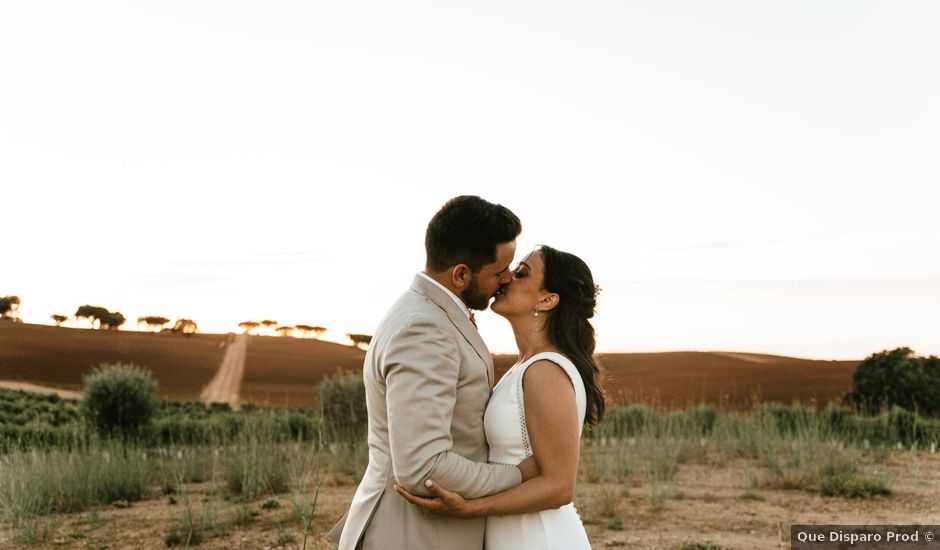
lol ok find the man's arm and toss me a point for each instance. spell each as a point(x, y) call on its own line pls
point(421, 368)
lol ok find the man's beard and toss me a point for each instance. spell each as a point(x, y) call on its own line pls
point(473, 297)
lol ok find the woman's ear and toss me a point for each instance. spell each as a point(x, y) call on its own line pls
point(461, 276)
point(548, 301)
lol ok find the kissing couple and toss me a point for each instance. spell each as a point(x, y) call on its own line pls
point(455, 463)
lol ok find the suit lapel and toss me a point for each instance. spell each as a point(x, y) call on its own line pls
point(458, 318)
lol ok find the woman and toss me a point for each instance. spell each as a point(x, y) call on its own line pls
point(539, 407)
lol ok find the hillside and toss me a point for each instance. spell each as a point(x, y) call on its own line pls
point(59, 357)
point(286, 371)
point(731, 380)
point(281, 371)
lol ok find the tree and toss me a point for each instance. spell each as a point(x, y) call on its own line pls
point(267, 323)
point(896, 378)
point(118, 399)
point(113, 320)
point(59, 319)
point(360, 340)
point(285, 330)
point(93, 314)
point(187, 327)
point(317, 331)
point(9, 306)
point(153, 321)
point(249, 326)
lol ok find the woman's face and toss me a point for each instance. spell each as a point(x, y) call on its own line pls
point(522, 294)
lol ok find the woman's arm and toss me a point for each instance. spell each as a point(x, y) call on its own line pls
point(552, 424)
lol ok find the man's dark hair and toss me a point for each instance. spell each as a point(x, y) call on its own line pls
point(466, 230)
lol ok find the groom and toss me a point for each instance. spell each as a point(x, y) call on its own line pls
point(428, 377)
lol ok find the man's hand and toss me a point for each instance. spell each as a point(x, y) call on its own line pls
point(447, 502)
point(529, 468)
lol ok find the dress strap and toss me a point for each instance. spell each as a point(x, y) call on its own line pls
point(573, 375)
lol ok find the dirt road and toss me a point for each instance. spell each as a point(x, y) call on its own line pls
point(226, 384)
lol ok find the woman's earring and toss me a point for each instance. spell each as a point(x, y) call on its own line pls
point(536, 312)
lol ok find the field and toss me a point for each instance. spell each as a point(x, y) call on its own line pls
point(717, 505)
point(59, 357)
point(286, 371)
point(279, 479)
point(708, 464)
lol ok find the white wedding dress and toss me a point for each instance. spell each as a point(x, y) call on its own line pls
point(504, 422)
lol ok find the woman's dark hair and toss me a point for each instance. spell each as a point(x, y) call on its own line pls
point(569, 328)
point(466, 230)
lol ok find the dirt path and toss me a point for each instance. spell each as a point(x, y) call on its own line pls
point(35, 388)
point(749, 357)
point(226, 384)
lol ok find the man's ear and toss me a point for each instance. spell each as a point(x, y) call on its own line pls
point(548, 301)
point(461, 275)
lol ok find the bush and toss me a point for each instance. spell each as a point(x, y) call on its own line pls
point(343, 406)
point(896, 378)
point(786, 420)
point(118, 399)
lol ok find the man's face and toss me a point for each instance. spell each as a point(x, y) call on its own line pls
point(485, 282)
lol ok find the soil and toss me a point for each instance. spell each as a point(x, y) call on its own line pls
point(717, 505)
point(286, 370)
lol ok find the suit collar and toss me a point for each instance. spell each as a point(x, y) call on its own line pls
point(444, 300)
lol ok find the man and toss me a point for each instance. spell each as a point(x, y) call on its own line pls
point(428, 377)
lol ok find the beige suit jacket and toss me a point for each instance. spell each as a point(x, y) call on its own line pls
point(428, 377)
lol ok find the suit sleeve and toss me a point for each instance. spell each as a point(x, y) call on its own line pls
point(421, 369)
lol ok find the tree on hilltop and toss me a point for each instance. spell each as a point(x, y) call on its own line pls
point(187, 327)
point(285, 330)
point(360, 340)
point(113, 320)
point(9, 306)
point(94, 314)
point(59, 319)
point(268, 323)
point(153, 321)
point(317, 331)
point(249, 326)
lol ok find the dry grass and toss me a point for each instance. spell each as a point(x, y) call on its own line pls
point(713, 508)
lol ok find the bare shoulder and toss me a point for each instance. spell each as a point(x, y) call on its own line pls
point(545, 377)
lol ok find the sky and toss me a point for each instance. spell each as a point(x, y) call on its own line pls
point(740, 176)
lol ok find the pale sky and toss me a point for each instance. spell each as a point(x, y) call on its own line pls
point(739, 175)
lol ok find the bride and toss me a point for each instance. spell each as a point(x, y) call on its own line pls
point(538, 407)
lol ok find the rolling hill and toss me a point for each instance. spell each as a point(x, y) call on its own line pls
point(282, 371)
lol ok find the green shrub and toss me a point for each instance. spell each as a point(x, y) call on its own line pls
point(896, 378)
point(786, 420)
point(343, 406)
point(118, 399)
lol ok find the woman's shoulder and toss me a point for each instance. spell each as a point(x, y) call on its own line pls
point(544, 358)
point(549, 364)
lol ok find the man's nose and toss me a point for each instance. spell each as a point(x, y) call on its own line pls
point(506, 278)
